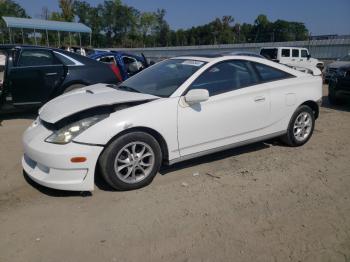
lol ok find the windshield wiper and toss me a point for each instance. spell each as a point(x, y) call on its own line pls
point(128, 88)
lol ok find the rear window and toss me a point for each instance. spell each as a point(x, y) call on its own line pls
point(269, 53)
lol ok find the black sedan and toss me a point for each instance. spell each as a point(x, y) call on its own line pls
point(31, 76)
point(339, 85)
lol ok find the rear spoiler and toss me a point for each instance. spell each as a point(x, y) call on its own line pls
point(312, 70)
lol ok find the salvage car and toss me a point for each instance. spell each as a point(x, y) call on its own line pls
point(33, 75)
point(176, 110)
point(339, 85)
point(335, 68)
point(128, 64)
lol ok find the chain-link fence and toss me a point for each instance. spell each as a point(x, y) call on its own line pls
point(329, 49)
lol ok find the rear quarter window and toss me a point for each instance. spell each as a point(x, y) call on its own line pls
point(64, 59)
point(268, 73)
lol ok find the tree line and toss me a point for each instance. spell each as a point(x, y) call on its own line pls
point(115, 24)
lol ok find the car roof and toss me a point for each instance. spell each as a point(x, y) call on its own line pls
point(218, 57)
point(256, 59)
point(8, 46)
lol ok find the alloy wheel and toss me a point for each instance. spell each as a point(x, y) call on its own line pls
point(134, 162)
point(302, 126)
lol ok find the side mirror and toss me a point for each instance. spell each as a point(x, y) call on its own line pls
point(196, 96)
point(308, 57)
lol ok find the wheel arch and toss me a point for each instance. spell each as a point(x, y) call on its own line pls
point(72, 83)
point(59, 91)
point(314, 106)
point(160, 139)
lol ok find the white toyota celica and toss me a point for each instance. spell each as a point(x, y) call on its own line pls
point(176, 110)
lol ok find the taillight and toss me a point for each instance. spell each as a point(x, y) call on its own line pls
point(116, 71)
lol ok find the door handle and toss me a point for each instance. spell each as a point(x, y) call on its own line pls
point(259, 99)
point(51, 74)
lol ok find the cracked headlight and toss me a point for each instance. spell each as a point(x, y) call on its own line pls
point(69, 132)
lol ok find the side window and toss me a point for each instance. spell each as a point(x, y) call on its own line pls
point(285, 52)
point(295, 53)
point(269, 53)
point(268, 73)
point(304, 53)
point(226, 77)
point(36, 58)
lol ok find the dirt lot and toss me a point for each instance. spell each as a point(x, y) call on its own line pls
point(264, 202)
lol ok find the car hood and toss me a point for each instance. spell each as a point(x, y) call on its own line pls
point(338, 64)
point(87, 98)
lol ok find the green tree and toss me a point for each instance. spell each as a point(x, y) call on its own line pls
point(10, 8)
point(90, 16)
point(67, 10)
point(148, 25)
point(262, 29)
point(162, 28)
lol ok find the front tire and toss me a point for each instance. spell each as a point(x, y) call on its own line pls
point(131, 161)
point(301, 127)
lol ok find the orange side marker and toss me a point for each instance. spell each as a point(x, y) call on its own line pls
point(78, 159)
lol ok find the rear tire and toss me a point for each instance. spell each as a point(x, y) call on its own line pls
point(300, 128)
point(131, 161)
point(73, 87)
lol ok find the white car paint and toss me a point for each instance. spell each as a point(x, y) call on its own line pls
point(226, 120)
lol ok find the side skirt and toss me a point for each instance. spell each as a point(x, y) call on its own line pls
point(222, 148)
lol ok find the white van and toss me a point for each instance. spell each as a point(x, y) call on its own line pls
point(291, 56)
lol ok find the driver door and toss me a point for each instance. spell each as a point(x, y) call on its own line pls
point(237, 110)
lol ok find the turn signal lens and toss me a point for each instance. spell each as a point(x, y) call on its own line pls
point(78, 159)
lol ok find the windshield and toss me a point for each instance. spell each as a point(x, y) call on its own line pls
point(162, 79)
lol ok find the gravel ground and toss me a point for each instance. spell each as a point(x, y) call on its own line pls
point(263, 202)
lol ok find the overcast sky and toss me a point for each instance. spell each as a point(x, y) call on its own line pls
point(320, 16)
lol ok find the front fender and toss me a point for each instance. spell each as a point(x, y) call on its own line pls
point(159, 115)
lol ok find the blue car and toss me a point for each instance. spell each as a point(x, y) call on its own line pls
point(125, 64)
